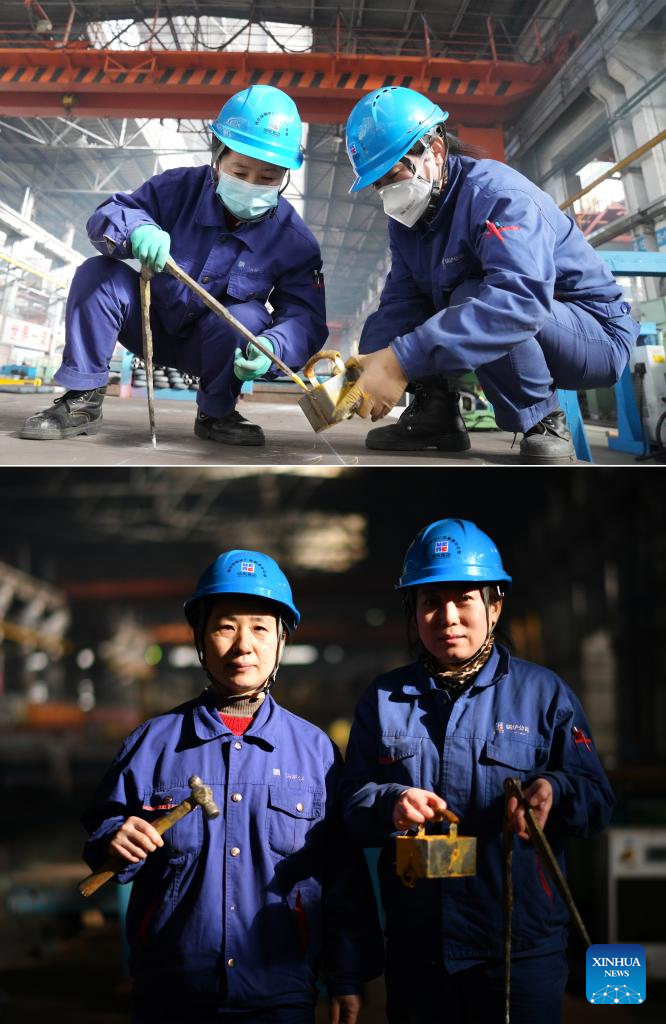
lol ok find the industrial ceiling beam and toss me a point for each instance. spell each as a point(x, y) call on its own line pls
point(115, 83)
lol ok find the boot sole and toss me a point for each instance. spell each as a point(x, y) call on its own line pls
point(208, 435)
point(62, 434)
point(442, 444)
point(535, 460)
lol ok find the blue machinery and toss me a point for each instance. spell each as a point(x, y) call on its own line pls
point(631, 433)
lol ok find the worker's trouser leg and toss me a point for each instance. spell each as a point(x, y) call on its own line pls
point(104, 306)
point(573, 350)
point(212, 341)
point(428, 994)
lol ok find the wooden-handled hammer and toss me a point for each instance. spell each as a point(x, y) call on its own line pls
point(200, 796)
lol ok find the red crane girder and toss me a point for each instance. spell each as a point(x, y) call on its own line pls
point(193, 84)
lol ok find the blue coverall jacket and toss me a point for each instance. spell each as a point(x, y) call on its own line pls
point(517, 720)
point(278, 256)
point(275, 259)
point(268, 890)
point(503, 283)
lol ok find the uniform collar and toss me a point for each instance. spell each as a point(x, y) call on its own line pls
point(420, 682)
point(264, 729)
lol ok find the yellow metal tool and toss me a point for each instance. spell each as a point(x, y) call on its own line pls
point(441, 856)
point(334, 400)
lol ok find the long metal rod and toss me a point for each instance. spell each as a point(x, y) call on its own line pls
point(508, 919)
point(222, 311)
point(144, 285)
point(513, 788)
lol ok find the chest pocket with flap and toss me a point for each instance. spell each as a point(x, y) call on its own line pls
point(511, 756)
point(291, 814)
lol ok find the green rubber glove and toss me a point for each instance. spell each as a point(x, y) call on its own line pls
point(151, 245)
point(254, 363)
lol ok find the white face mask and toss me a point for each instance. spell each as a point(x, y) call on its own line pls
point(406, 201)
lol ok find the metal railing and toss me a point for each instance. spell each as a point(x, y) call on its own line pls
point(493, 42)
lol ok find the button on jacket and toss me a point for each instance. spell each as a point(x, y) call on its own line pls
point(263, 892)
point(517, 719)
point(276, 258)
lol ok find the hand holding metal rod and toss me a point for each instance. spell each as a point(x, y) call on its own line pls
point(512, 787)
point(172, 268)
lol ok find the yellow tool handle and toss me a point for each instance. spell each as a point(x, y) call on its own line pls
point(327, 353)
point(111, 867)
point(217, 307)
point(446, 815)
point(114, 864)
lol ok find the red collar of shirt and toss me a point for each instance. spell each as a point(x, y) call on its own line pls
point(236, 724)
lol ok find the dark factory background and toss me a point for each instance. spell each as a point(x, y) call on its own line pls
point(96, 564)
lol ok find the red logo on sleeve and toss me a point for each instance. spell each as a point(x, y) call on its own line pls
point(496, 229)
point(580, 737)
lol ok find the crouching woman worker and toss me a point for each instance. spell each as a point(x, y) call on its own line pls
point(231, 229)
point(487, 274)
point(445, 731)
point(230, 918)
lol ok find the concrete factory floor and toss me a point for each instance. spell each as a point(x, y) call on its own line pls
point(125, 439)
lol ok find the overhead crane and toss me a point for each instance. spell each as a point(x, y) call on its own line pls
point(49, 77)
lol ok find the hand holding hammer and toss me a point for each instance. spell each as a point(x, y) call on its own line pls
point(200, 796)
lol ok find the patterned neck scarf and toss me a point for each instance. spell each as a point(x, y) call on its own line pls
point(458, 678)
point(243, 705)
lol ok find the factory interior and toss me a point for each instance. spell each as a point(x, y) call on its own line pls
point(97, 98)
point(97, 564)
point(463, 327)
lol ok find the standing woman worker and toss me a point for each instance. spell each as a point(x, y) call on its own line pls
point(231, 229)
point(230, 919)
point(445, 731)
point(487, 274)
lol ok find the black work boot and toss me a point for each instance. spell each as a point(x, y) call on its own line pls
point(548, 442)
point(431, 420)
point(230, 429)
point(75, 412)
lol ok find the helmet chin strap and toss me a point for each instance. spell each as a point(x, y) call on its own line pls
point(438, 187)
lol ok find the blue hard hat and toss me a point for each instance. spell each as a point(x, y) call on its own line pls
point(383, 126)
point(452, 551)
point(264, 123)
point(248, 573)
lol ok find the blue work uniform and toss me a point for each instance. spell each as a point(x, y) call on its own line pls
point(235, 913)
point(275, 259)
point(503, 283)
point(516, 720)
